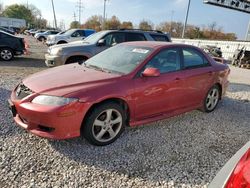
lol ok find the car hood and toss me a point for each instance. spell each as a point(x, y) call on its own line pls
point(76, 45)
point(66, 79)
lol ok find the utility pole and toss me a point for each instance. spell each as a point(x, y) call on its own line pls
point(104, 15)
point(80, 7)
point(74, 16)
point(54, 13)
point(186, 19)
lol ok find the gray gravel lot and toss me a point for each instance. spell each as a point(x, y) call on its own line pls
point(184, 151)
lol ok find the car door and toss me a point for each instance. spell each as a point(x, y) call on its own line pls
point(157, 95)
point(198, 76)
point(76, 36)
point(110, 40)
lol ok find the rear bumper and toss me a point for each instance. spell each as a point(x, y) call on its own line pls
point(52, 122)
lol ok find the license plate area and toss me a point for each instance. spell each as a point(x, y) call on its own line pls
point(12, 108)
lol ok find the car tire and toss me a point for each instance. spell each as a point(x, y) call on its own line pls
point(42, 39)
point(104, 124)
point(76, 59)
point(62, 42)
point(6, 54)
point(212, 99)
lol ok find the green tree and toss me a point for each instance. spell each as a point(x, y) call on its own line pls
point(146, 25)
point(74, 25)
point(19, 11)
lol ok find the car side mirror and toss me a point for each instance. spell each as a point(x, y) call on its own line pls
point(101, 42)
point(151, 72)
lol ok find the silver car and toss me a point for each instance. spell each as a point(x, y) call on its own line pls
point(80, 51)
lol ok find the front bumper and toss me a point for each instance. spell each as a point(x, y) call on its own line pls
point(53, 60)
point(52, 122)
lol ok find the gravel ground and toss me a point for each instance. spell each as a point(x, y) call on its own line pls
point(184, 151)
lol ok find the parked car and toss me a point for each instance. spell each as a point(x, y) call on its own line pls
point(10, 46)
point(7, 30)
point(36, 32)
point(212, 50)
point(82, 50)
point(236, 172)
point(43, 36)
point(70, 36)
point(129, 84)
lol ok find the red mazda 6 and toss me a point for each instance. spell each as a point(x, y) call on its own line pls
point(129, 84)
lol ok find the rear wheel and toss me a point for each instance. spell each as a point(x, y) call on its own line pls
point(6, 54)
point(212, 99)
point(104, 124)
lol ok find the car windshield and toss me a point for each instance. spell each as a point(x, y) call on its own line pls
point(120, 59)
point(69, 32)
point(94, 38)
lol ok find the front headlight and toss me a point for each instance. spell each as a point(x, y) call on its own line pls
point(55, 51)
point(52, 100)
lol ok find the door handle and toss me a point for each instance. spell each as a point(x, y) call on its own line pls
point(177, 79)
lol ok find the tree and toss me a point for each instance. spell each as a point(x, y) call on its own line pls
point(127, 25)
point(74, 25)
point(113, 23)
point(94, 22)
point(19, 11)
point(146, 25)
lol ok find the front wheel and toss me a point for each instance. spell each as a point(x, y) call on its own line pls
point(6, 54)
point(212, 99)
point(104, 124)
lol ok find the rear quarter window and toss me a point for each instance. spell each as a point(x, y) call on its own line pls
point(135, 37)
point(160, 38)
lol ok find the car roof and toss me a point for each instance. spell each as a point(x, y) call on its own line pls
point(155, 44)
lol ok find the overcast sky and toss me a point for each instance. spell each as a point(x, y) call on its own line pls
point(155, 10)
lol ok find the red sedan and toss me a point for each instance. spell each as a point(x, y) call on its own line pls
point(129, 84)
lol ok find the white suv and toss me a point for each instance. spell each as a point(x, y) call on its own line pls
point(69, 36)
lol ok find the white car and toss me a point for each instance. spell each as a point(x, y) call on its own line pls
point(43, 36)
point(69, 36)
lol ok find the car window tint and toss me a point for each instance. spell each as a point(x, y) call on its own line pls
point(167, 60)
point(135, 37)
point(160, 38)
point(114, 38)
point(192, 59)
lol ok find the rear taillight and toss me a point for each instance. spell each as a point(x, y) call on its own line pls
point(240, 178)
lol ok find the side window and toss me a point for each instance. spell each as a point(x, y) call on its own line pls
point(114, 38)
point(135, 37)
point(54, 32)
point(82, 33)
point(167, 60)
point(193, 59)
point(160, 38)
point(76, 34)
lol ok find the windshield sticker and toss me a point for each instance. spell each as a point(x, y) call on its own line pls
point(140, 50)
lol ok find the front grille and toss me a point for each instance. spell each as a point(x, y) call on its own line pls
point(22, 91)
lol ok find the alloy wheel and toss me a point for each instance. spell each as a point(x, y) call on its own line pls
point(107, 125)
point(212, 98)
point(6, 54)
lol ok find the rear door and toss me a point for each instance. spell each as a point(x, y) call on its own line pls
point(111, 39)
point(198, 75)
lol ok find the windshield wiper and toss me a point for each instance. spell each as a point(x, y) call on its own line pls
point(94, 67)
